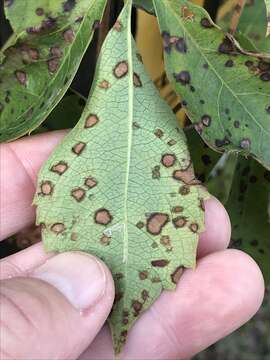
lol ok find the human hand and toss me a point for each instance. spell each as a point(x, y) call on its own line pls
point(53, 306)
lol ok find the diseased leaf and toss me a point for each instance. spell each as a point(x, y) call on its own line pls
point(248, 207)
point(39, 67)
point(121, 184)
point(204, 159)
point(252, 26)
point(226, 93)
point(212, 169)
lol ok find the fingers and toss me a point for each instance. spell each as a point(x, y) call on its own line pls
point(58, 309)
point(217, 233)
point(224, 292)
point(20, 163)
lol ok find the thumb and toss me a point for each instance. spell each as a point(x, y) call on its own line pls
point(57, 310)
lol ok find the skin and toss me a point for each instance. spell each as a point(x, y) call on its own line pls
point(41, 318)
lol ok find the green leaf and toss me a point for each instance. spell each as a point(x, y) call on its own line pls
point(248, 207)
point(252, 26)
point(39, 67)
point(146, 5)
point(212, 169)
point(204, 159)
point(66, 114)
point(121, 184)
point(226, 92)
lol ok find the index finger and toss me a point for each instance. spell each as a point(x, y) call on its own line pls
point(19, 165)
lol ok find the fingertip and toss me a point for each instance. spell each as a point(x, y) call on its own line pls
point(217, 234)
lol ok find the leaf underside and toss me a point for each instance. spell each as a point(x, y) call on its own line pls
point(39, 67)
point(121, 184)
point(226, 93)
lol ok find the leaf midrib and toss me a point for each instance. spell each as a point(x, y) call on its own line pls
point(130, 133)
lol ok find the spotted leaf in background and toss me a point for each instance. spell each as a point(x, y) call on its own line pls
point(226, 93)
point(249, 210)
point(121, 184)
point(251, 28)
point(38, 68)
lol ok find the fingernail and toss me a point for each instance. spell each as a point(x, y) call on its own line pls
point(78, 276)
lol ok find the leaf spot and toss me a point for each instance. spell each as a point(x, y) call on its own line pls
point(103, 217)
point(60, 167)
point(78, 148)
point(78, 194)
point(121, 69)
point(156, 222)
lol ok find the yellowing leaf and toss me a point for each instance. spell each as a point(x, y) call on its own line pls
point(121, 184)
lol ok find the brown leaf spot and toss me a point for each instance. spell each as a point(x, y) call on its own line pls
point(156, 172)
point(91, 121)
point(55, 51)
point(125, 321)
point(58, 228)
point(39, 11)
point(90, 182)
point(176, 275)
point(137, 307)
point(245, 144)
point(165, 240)
point(33, 53)
point(159, 133)
point(74, 237)
point(206, 23)
point(140, 225)
point(194, 227)
point(160, 263)
point(179, 221)
point(155, 280)
point(78, 194)
point(60, 167)
point(206, 120)
point(143, 275)
point(69, 35)
point(156, 222)
point(53, 65)
point(168, 160)
point(172, 142)
point(78, 148)
point(105, 240)
point(68, 5)
point(184, 190)
point(104, 84)
point(145, 295)
point(21, 77)
point(103, 217)
point(121, 69)
point(177, 209)
point(137, 80)
point(46, 188)
point(183, 77)
point(117, 26)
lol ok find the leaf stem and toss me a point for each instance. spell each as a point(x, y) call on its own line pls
point(236, 15)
